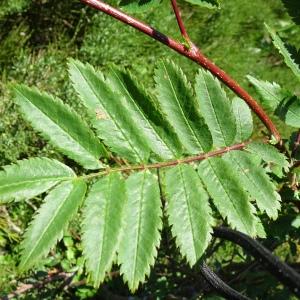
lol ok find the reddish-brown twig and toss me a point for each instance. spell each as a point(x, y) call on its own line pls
point(180, 22)
point(192, 53)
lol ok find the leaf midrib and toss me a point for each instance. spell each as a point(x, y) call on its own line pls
point(252, 181)
point(182, 111)
point(111, 117)
point(228, 196)
point(240, 126)
point(144, 116)
point(279, 44)
point(189, 210)
point(47, 226)
point(36, 181)
point(62, 127)
point(210, 102)
point(107, 206)
point(139, 226)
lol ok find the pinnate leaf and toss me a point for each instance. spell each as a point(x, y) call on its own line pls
point(61, 126)
point(29, 178)
point(52, 218)
point(228, 195)
point(178, 104)
point(189, 211)
point(102, 224)
point(216, 109)
point(142, 222)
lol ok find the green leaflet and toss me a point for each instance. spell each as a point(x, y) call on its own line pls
point(52, 218)
point(154, 128)
point(256, 182)
point(268, 153)
point(61, 126)
point(296, 222)
point(189, 211)
point(216, 109)
point(178, 104)
point(29, 178)
point(271, 93)
point(142, 222)
point(102, 225)
point(228, 194)
point(293, 9)
point(289, 111)
point(109, 113)
point(243, 120)
point(278, 43)
point(212, 4)
point(282, 102)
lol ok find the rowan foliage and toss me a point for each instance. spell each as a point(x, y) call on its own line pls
point(122, 208)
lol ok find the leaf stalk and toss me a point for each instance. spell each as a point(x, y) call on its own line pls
point(171, 163)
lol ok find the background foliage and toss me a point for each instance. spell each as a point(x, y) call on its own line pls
point(37, 36)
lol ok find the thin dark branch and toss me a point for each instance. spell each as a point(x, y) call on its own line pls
point(296, 144)
point(283, 272)
point(193, 54)
point(219, 285)
point(24, 288)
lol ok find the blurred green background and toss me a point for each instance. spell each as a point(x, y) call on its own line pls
point(36, 39)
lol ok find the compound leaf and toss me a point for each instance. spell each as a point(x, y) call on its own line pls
point(216, 109)
point(256, 182)
point(109, 113)
point(178, 104)
point(155, 129)
point(61, 126)
point(228, 194)
point(102, 224)
point(142, 222)
point(243, 120)
point(29, 178)
point(52, 218)
point(189, 211)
